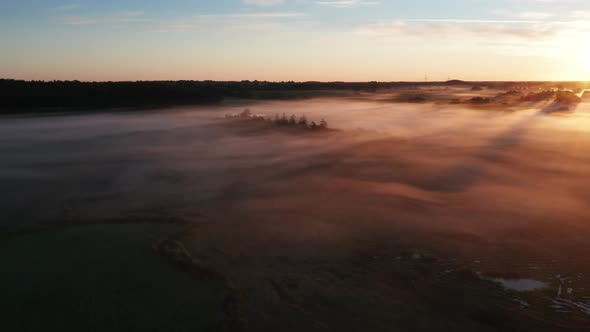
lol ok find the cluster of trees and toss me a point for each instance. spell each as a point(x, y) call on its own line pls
point(246, 114)
point(282, 120)
point(539, 96)
point(480, 100)
point(302, 121)
point(536, 86)
point(16, 95)
point(566, 97)
point(417, 99)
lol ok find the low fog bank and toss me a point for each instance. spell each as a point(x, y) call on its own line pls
point(506, 189)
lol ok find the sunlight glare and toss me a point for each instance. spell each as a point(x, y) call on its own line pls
point(584, 58)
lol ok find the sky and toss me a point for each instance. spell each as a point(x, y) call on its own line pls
point(299, 40)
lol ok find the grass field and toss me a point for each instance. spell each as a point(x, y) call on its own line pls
point(103, 278)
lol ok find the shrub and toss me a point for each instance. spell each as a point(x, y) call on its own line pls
point(567, 97)
point(416, 99)
point(480, 100)
point(283, 120)
point(539, 96)
point(246, 113)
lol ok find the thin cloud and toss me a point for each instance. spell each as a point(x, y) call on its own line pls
point(261, 21)
point(78, 20)
point(471, 21)
point(580, 14)
point(117, 18)
point(465, 28)
point(67, 7)
point(254, 15)
point(263, 2)
point(346, 3)
point(527, 15)
point(535, 15)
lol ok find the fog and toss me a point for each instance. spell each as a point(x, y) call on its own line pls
point(505, 191)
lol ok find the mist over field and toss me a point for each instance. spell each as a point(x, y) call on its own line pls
point(441, 151)
point(500, 192)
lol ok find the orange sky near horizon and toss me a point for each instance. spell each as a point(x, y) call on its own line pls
point(296, 40)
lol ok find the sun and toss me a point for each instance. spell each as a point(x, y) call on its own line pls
point(573, 57)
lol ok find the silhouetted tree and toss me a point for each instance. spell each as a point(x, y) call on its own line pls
point(302, 121)
point(246, 113)
point(292, 120)
point(284, 119)
point(480, 100)
point(323, 124)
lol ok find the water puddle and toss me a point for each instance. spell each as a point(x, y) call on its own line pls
point(519, 285)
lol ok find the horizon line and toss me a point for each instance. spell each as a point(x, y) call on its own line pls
point(296, 82)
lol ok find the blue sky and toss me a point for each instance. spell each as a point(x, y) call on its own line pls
point(295, 39)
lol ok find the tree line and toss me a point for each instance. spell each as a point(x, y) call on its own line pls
point(19, 94)
point(16, 95)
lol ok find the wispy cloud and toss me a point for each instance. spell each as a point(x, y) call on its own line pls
point(535, 15)
point(263, 2)
point(121, 17)
point(66, 7)
point(246, 20)
point(346, 3)
point(78, 20)
point(254, 15)
point(509, 38)
point(580, 14)
point(261, 21)
point(526, 15)
point(465, 28)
